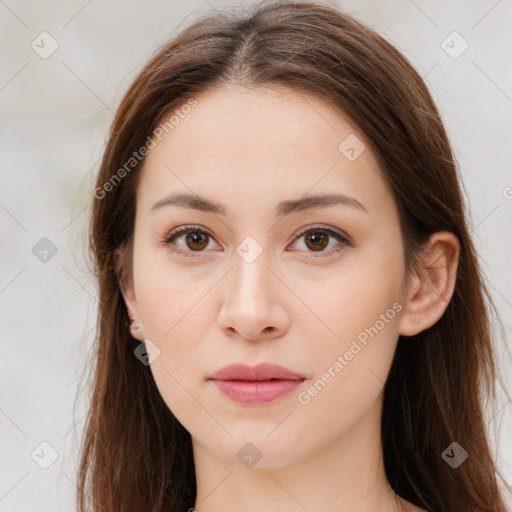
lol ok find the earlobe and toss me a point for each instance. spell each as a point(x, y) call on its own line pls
point(135, 328)
point(134, 324)
point(431, 290)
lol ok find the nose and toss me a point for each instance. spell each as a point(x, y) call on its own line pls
point(252, 302)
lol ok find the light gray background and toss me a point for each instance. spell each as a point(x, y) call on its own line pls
point(55, 115)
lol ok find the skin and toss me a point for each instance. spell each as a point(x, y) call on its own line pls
point(250, 150)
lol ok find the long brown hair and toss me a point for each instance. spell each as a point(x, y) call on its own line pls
point(135, 455)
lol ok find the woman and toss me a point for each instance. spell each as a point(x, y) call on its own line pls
point(292, 314)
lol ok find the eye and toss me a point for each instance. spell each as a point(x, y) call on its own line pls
point(195, 240)
point(317, 239)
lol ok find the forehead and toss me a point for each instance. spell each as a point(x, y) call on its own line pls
point(261, 146)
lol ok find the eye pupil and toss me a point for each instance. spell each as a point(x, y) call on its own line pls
point(317, 237)
point(195, 237)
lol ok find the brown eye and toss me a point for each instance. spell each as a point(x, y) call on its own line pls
point(196, 240)
point(188, 240)
point(192, 241)
point(317, 240)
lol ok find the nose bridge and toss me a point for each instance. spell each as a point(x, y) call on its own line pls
point(252, 280)
point(250, 303)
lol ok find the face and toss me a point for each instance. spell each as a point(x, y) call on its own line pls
point(317, 290)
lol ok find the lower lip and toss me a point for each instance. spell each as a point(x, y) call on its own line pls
point(256, 392)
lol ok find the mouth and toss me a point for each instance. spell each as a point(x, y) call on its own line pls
point(256, 385)
point(256, 391)
point(260, 372)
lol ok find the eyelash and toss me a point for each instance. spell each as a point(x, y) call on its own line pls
point(169, 239)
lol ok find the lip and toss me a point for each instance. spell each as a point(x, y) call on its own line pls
point(262, 383)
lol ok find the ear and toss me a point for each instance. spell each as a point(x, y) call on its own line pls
point(432, 288)
point(123, 267)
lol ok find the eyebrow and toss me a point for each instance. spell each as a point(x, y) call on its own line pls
point(203, 204)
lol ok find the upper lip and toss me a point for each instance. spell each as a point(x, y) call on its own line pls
point(262, 371)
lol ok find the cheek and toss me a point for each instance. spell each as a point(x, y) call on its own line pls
point(353, 301)
point(349, 368)
point(359, 314)
point(168, 296)
point(176, 317)
point(179, 370)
